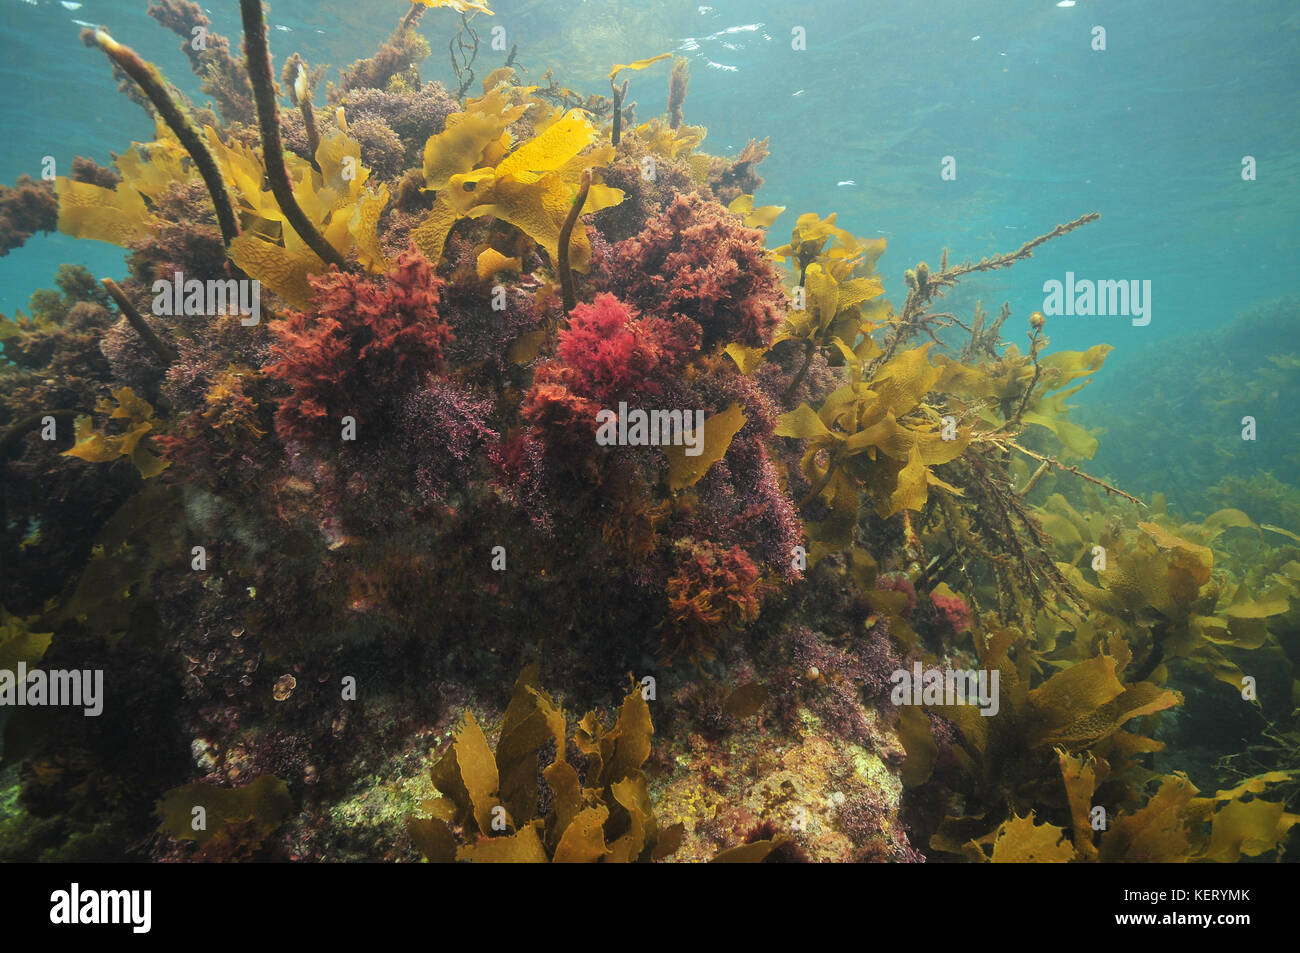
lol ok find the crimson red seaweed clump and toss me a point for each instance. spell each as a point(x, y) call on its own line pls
point(607, 353)
point(565, 420)
point(898, 582)
point(696, 260)
point(615, 353)
point(953, 610)
point(362, 345)
point(712, 591)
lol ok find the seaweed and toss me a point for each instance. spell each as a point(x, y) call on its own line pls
point(26, 208)
point(497, 802)
point(268, 118)
point(222, 76)
point(1168, 828)
point(412, 457)
point(535, 188)
point(95, 446)
point(171, 112)
point(225, 823)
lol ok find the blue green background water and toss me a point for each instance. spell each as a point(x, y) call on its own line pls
point(1151, 132)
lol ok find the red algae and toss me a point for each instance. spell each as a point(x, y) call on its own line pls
point(416, 473)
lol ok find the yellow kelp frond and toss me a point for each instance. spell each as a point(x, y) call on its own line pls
point(719, 430)
point(459, 147)
point(638, 64)
point(241, 167)
point(911, 489)
point(1248, 828)
point(1079, 711)
point(827, 316)
point(282, 268)
point(1170, 826)
point(490, 262)
point(342, 174)
point(504, 100)
point(460, 6)
point(97, 447)
point(431, 234)
point(539, 210)
point(1202, 614)
point(905, 379)
point(1080, 777)
point(812, 232)
point(152, 168)
point(1086, 702)
point(118, 216)
point(1158, 832)
point(249, 813)
point(335, 199)
point(550, 150)
point(121, 215)
point(868, 437)
point(763, 217)
point(1062, 367)
point(1021, 841)
point(809, 238)
point(363, 226)
point(1047, 408)
point(604, 815)
point(532, 188)
point(668, 143)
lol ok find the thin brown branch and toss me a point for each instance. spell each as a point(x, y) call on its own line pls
point(816, 491)
point(165, 351)
point(1056, 464)
point(1033, 480)
point(924, 285)
point(810, 351)
point(1024, 251)
point(1035, 346)
point(566, 233)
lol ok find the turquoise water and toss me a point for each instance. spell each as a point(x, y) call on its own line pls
point(865, 106)
point(1150, 132)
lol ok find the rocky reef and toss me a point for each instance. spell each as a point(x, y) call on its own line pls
point(472, 475)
